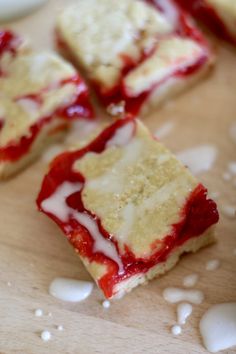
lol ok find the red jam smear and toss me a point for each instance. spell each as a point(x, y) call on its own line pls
point(9, 42)
point(197, 215)
point(207, 15)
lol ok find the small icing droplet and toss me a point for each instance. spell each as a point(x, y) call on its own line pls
point(198, 159)
point(49, 314)
point(46, 336)
point(164, 130)
point(70, 289)
point(190, 280)
point(213, 264)
point(9, 283)
point(176, 330)
point(229, 211)
point(106, 304)
point(184, 310)
point(232, 167)
point(218, 327)
point(60, 328)
point(38, 313)
point(174, 295)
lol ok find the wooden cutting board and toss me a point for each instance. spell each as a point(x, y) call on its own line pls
point(33, 251)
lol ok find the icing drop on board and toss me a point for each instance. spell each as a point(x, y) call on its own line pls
point(218, 327)
point(174, 295)
point(70, 289)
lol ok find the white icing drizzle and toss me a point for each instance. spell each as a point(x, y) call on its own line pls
point(52, 152)
point(106, 304)
point(128, 218)
point(190, 280)
point(100, 243)
point(198, 159)
point(164, 130)
point(15, 8)
point(56, 205)
point(213, 264)
point(229, 211)
point(174, 295)
point(184, 310)
point(112, 181)
point(70, 289)
point(232, 131)
point(46, 336)
point(38, 313)
point(170, 11)
point(218, 327)
point(176, 330)
point(122, 135)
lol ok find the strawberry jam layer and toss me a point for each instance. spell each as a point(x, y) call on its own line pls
point(197, 215)
point(207, 15)
point(80, 107)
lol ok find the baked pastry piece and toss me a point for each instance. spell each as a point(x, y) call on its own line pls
point(133, 51)
point(39, 94)
point(219, 15)
point(128, 206)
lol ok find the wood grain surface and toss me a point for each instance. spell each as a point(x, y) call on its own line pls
point(33, 251)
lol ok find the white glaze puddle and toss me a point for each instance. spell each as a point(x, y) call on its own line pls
point(213, 264)
point(70, 289)
point(10, 9)
point(232, 131)
point(174, 295)
point(229, 211)
point(56, 205)
point(190, 280)
point(45, 336)
point(198, 159)
point(52, 152)
point(122, 135)
point(164, 130)
point(218, 327)
point(176, 330)
point(184, 310)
